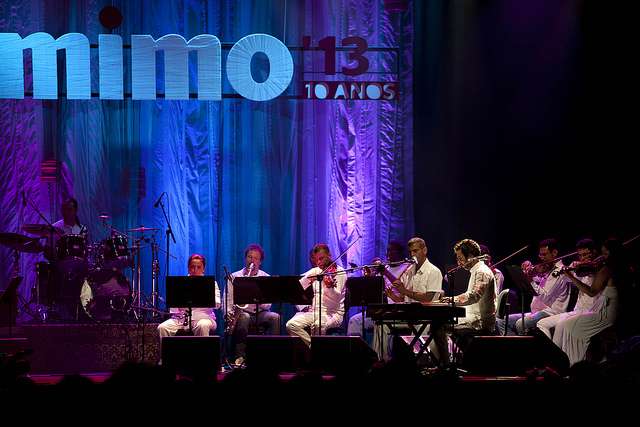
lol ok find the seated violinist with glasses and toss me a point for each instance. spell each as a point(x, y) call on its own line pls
point(552, 289)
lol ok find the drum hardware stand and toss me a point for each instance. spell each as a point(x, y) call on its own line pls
point(43, 310)
point(155, 271)
point(136, 279)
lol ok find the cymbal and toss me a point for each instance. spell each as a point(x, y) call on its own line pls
point(142, 229)
point(20, 242)
point(37, 228)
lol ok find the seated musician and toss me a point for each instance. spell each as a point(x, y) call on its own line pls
point(395, 253)
point(329, 313)
point(203, 319)
point(479, 299)
point(587, 252)
point(243, 317)
point(420, 283)
point(552, 289)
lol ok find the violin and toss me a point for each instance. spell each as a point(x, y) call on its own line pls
point(582, 269)
point(330, 280)
point(328, 274)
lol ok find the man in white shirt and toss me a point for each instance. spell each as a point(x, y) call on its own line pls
point(327, 308)
point(244, 316)
point(421, 283)
point(478, 300)
point(203, 319)
point(553, 292)
point(586, 249)
point(395, 253)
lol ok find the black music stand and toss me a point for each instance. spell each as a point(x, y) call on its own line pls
point(270, 290)
point(191, 292)
point(515, 279)
point(365, 290)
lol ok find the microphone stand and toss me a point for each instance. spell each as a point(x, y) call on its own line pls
point(169, 233)
point(451, 297)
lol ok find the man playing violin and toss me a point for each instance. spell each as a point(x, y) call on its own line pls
point(327, 308)
point(586, 251)
point(552, 290)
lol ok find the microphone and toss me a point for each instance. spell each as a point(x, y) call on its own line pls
point(413, 260)
point(249, 270)
point(155, 205)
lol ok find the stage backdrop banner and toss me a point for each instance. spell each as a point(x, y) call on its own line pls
point(285, 173)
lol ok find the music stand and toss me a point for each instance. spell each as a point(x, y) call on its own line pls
point(191, 292)
point(365, 290)
point(270, 290)
point(515, 276)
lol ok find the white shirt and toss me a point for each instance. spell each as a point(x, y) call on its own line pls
point(428, 278)
point(251, 308)
point(479, 298)
point(332, 298)
point(198, 313)
point(553, 292)
point(68, 229)
point(585, 302)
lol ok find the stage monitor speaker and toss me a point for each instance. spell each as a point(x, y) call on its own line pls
point(12, 345)
point(342, 355)
point(276, 353)
point(512, 355)
point(9, 303)
point(195, 357)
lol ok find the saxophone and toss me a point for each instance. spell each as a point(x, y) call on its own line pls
point(232, 314)
point(231, 319)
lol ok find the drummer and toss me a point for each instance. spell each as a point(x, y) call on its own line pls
point(70, 223)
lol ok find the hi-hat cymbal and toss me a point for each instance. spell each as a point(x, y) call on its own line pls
point(142, 229)
point(20, 243)
point(39, 229)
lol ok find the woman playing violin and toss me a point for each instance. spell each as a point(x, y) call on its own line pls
point(575, 334)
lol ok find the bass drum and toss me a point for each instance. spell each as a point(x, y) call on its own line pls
point(105, 296)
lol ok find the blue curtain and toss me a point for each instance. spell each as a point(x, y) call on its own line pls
point(285, 173)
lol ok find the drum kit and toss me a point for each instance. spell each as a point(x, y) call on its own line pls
point(89, 276)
